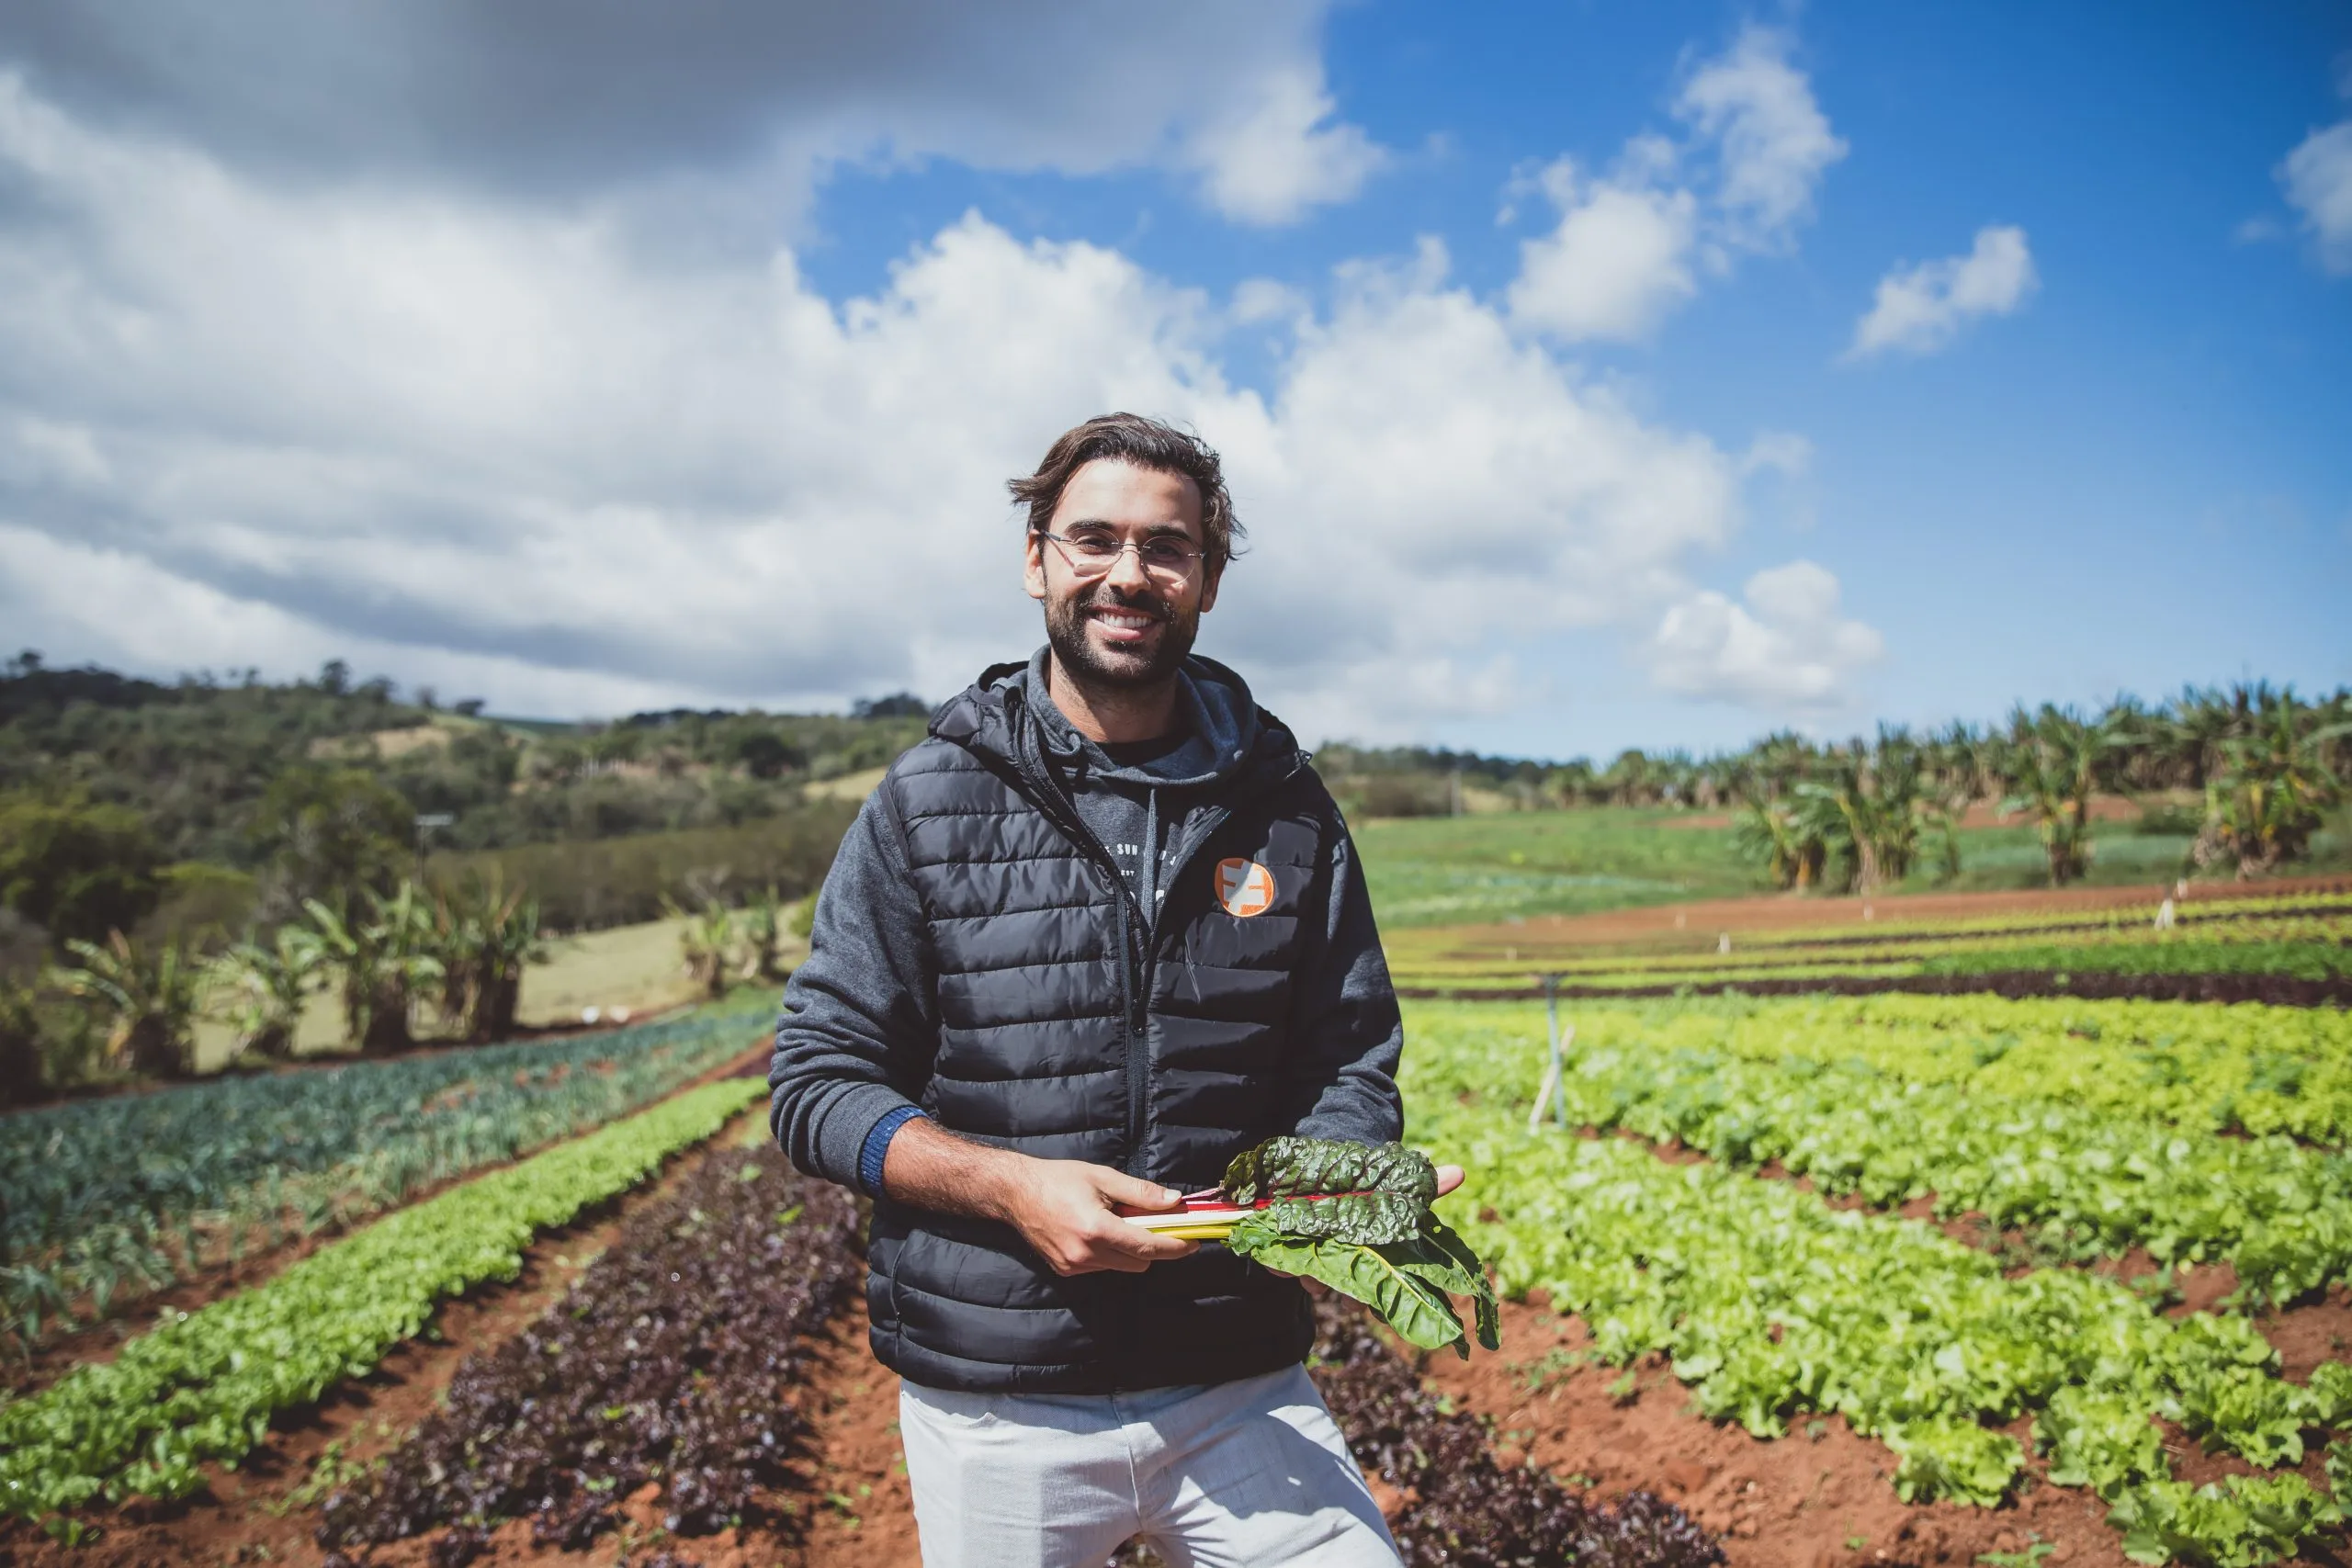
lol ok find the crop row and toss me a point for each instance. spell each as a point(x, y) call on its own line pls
point(2244, 944)
point(666, 1363)
point(1465, 1509)
point(2248, 1069)
point(1770, 1303)
point(2311, 959)
point(2215, 916)
point(108, 1197)
point(2085, 1181)
point(205, 1385)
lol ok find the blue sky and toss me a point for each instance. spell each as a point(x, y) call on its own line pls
point(585, 408)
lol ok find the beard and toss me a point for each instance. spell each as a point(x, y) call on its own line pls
point(1090, 665)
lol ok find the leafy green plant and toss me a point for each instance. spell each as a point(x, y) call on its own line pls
point(1356, 1217)
point(2053, 762)
point(382, 956)
point(203, 1387)
point(264, 986)
point(706, 942)
point(484, 937)
point(2271, 792)
point(150, 1000)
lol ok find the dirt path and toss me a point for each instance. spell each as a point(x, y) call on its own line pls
point(863, 1516)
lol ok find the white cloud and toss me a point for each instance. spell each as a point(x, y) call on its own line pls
point(1782, 452)
point(712, 123)
point(1617, 264)
point(1630, 243)
point(1279, 151)
point(502, 450)
point(1921, 309)
point(2317, 177)
point(1787, 648)
point(1775, 143)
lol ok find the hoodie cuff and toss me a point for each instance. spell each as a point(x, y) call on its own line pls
point(876, 1147)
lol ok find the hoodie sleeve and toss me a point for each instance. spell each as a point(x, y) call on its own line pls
point(854, 1045)
point(1346, 1034)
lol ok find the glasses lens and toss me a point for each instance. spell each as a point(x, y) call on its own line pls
point(1092, 555)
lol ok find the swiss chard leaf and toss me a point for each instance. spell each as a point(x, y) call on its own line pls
point(1368, 1219)
point(1406, 1283)
point(1291, 1168)
point(1398, 1288)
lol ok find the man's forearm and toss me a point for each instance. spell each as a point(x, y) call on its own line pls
point(928, 1168)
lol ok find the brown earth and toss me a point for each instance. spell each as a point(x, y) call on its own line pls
point(1698, 922)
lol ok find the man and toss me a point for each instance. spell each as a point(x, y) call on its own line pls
point(1100, 932)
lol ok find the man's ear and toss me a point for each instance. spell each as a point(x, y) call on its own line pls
point(1208, 589)
point(1033, 564)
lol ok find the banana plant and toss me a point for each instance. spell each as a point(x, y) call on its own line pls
point(263, 986)
point(383, 957)
point(2271, 792)
point(2055, 763)
point(705, 941)
point(1783, 840)
point(485, 937)
point(761, 923)
point(151, 999)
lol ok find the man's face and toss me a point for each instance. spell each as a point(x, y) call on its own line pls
point(1131, 625)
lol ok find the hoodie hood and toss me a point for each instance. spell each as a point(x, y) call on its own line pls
point(1230, 741)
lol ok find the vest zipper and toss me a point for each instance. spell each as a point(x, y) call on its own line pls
point(1134, 981)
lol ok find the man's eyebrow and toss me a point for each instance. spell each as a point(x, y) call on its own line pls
point(1177, 530)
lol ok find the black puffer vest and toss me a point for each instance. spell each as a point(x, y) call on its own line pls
point(1067, 1032)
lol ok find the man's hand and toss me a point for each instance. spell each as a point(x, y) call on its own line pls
point(1061, 1207)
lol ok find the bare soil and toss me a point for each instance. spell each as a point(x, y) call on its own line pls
point(1700, 923)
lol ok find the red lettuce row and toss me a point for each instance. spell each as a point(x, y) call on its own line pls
point(1465, 1509)
point(665, 1362)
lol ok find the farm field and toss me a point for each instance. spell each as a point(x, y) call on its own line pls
point(2222, 942)
point(1474, 870)
point(636, 967)
point(1808, 1277)
point(230, 1173)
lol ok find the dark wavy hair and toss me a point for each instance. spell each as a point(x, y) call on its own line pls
point(1147, 444)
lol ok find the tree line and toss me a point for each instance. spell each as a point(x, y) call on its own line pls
point(233, 846)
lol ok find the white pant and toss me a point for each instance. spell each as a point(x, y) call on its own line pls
point(1244, 1475)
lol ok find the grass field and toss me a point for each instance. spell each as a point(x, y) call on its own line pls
point(636, 967)
point(1440, 871)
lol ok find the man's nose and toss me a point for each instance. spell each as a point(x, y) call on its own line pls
point(1127, 574)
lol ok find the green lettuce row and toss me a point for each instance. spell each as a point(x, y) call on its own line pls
point(2091, 1181)
point(205, 1386)
point(2247, 1069)
point(1768, 1303)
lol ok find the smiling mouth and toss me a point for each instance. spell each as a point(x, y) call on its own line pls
point(1120, 624)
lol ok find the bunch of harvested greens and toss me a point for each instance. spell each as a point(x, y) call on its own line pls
point(1355, 1216)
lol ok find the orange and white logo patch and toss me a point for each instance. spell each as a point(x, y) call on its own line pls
point(1244, 887)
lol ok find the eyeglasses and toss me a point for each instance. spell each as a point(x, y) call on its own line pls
point(1093, 555)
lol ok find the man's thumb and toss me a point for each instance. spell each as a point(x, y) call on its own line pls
point(1121, 1188)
